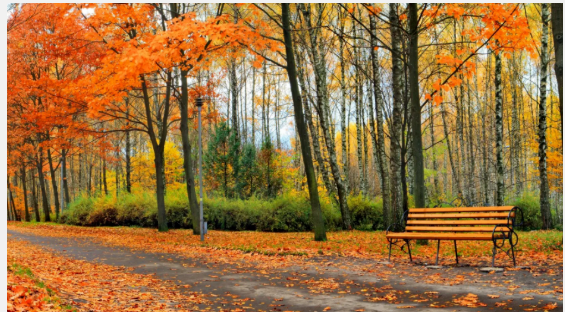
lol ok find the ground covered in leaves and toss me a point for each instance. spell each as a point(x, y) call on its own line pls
point(248, 271)
point(534, 248)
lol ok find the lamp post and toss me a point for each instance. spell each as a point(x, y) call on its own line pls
point(62, 186)
point(199, 103)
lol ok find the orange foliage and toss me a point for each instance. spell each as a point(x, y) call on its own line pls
point(502, 29)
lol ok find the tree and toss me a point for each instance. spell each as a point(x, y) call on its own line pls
point(323, 109)
point(544, 186)
point(219, 159)
point(317, 216)
point(396, 126)
point(417, 153)
point(379, 109)
point(268, 168)
point(247, 182)
point(557, 27)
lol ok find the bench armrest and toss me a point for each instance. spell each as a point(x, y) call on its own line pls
point(402, 222)
point(391, 227)
point(514, 219)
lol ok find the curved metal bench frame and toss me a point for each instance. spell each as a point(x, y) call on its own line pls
point(498, 242)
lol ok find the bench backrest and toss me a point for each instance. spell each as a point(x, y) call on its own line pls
point(463, 219)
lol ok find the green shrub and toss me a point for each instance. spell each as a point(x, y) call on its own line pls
point(178, 209)
point(104, 212)
point(332, 216)
point(78, 212)
point(233, 214)
point(286, 213)
point(365, 215)
point(132, 209)
point(531, 209)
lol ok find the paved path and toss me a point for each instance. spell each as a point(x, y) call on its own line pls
point(313, 288)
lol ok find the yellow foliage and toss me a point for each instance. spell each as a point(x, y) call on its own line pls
point(143, 168)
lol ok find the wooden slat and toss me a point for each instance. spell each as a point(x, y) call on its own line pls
point(461, 209)
point(458, 215)
point(459, 222)
point(443, 236)
point(456, 229)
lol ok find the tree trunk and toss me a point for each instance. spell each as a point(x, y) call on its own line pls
point(264, 119)
point(417, 153)
point(187, 156)
point(358, 105)
point(24, 186)
point(9, 210)
point(557, 27)
point(544, 183)
point(65, 179)
point(373, 133)
point(380, 139)
point(365, 151)
point(15, 215)
point(161, 212)
point(89, 182)
point(323, 109)
point(316, 145)
point(470, 150)
point(128, 150)
point(117, 170)
point(158, 145)
point(485, 144)
point(277, 115)
point(499, 129)
point(104, 176)
point(434, 159)
point(317, 216)
point(233, 89)
point(253, 108)
point(344, 126)
point(313, 130)
point(80, 166)
point(46, 209)
point(396, 126)
point(35, 198)
point(53, 183)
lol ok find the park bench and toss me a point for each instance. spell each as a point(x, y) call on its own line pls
point(494, 224)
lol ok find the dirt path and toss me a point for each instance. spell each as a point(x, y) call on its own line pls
point(341, 284)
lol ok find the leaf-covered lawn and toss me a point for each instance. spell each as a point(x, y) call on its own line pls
point(27, 293)
point(534, 248)
point(86, 286)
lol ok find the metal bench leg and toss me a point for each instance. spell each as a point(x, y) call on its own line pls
point(437, 254)
point(409, 252)
point(456, 258)
point(512, 248)
point(389, 250)
point(493, 252)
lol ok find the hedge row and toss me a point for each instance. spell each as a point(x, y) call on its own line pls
point(283, 214)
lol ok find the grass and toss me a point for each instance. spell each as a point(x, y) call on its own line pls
point(20, 270)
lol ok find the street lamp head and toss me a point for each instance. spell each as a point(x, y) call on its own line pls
point(199, 102)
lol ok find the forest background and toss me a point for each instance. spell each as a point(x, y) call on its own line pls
point(316, 116)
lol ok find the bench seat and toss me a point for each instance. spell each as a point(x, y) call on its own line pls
point(494, 224)
point(444, 236)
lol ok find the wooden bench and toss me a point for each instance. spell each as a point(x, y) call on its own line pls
point(494, 224)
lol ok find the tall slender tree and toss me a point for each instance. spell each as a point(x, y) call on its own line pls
point(542, 122)
point(317, 216)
